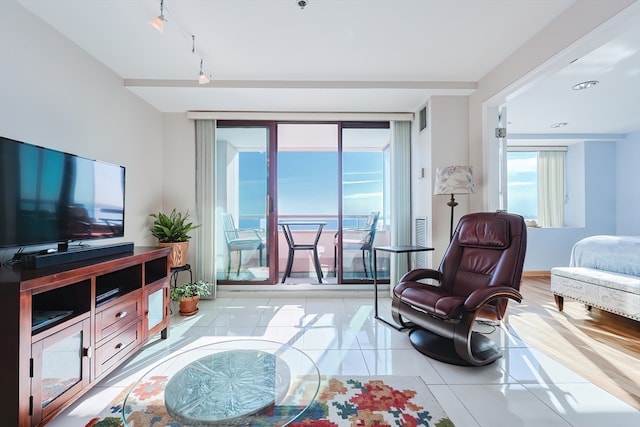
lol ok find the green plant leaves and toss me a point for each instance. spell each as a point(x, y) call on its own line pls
point(199, 288)
point(174, 227)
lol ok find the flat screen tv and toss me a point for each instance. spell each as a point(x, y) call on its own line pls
point(49, 196)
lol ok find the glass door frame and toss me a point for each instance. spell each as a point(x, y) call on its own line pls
point(271, 250)
point(340, 251)
point(271, 210)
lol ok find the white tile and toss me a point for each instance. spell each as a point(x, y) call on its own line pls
point(284, 303)
point(455, 409)
point(524, 388)
point(401, 362)
point(380, 336)
point(329, 337)
point(338, 362)
point(249, 304)
point(500, 334)
point(324, 305)
point(354, 320)
point(353, 304)
point(283, 318)
point(489, 374)
point(291, 335)
point(506, 405)
point(237, 317)
point(586, 405)
point(530, 366)
point(229, 331)
point(201, 318)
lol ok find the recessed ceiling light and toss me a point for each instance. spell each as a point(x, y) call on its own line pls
point(559, 124)
point(585, 85)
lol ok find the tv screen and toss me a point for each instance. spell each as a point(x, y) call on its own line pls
point(49, 196)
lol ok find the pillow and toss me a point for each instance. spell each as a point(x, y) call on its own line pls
point(484, 233)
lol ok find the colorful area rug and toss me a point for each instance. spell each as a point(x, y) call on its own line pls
point(341, 401)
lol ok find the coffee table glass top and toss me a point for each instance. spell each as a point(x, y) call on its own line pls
point(232, 383)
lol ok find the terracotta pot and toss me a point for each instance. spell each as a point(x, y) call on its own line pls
point(189, 306)
point(178, 254)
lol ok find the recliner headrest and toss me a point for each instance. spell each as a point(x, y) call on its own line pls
point(484, 233)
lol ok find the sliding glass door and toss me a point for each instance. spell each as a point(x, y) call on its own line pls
point(243, 228)
point(307, 164)
point(327, 184)
point(364, 201)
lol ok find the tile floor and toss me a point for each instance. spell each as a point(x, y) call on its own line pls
point(524, 388)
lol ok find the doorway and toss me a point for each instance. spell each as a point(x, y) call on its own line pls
point(326, 178)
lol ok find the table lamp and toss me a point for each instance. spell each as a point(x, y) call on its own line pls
point(454, 180)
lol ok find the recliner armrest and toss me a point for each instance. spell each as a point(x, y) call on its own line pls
point(421, 273)
point(482, 296)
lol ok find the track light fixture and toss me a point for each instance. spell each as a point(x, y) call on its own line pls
point(158, 22)
point(202, 78)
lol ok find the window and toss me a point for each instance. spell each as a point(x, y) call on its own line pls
point(535, 184)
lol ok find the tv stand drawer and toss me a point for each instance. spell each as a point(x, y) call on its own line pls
point(117, 348)
point(117, 315)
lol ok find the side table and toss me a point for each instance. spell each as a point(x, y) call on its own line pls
point(173, 281)
point(293, 246)
point(400, 249)
point(176, 270)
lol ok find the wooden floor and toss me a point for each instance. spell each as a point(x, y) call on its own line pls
point(600, 346)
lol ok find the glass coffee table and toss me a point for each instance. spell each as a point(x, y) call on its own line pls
point(229, 383)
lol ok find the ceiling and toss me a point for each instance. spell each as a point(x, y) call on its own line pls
point(346, 56)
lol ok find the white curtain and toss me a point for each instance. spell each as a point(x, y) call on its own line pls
point(205, 200)
point(400, 195)
point(551, 188)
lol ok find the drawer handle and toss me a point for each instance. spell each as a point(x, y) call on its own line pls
point(118, 346)
point(121, 314)
point(87, 352)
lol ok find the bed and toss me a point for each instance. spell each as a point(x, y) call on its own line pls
point(603, 272)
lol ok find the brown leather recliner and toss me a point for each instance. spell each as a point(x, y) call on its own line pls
point(480, 271)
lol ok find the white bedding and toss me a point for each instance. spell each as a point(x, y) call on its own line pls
point(619, 254)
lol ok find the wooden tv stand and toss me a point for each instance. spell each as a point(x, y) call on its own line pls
point(67, 327)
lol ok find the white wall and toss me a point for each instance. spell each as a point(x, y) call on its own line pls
point(179, 170)
point(449, 137)
point(55, 95)
point(575, 186)
point(628, 186)
point(421, 178)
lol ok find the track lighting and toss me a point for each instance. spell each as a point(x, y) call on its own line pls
point(202, 78)
point(158, 22)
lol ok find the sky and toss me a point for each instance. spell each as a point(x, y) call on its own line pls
point(522, 187)
point(308, 182)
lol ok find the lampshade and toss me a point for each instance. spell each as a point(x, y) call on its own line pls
point(454, 180)
point(158, 22)
point(202, 77)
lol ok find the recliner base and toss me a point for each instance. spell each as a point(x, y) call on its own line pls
point(484, 351)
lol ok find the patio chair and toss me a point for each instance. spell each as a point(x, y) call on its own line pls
point(359, 239)
point(239, 240)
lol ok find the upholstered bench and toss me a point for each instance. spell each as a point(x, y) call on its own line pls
point(614, 292)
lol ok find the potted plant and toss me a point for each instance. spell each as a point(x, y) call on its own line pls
point(173, 230)
point(188, 295)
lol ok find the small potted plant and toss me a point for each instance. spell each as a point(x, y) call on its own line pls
point(188, 295)
point(173, 230)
